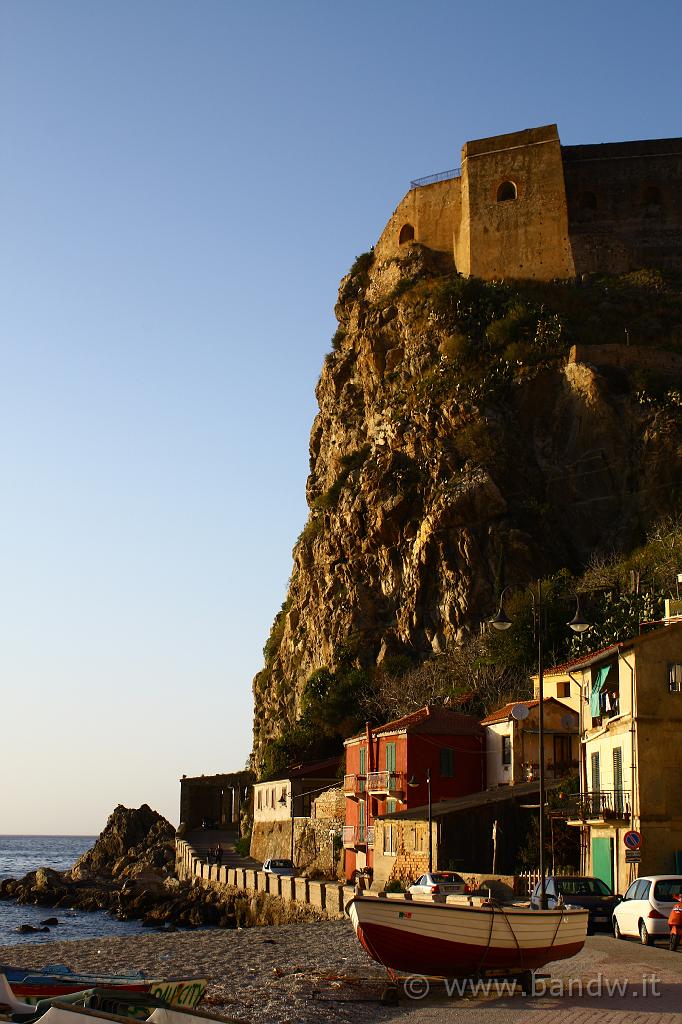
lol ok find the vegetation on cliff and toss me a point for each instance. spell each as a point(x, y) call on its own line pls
point(457, 448)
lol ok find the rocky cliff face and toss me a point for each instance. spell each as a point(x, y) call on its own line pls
point(456, 446)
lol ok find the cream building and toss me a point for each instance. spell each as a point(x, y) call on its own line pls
point(631, 755)
point(513, 744)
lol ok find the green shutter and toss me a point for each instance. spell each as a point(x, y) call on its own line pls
point(446, 769)
point(390, 757)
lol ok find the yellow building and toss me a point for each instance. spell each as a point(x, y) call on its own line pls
point(558, 683)
point(630, 711)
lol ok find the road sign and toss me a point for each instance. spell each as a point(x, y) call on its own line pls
point(632, 840)
point(633, 856)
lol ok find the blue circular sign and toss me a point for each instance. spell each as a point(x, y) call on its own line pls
point(632, 840)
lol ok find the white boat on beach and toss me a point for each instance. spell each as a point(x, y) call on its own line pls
point(463, 936)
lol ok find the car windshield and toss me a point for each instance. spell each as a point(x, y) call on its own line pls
point(446, 876)
point(281, 864)
point(666, 888)
point(582, 887)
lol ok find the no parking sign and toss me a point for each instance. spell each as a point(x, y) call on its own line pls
point(632, 840)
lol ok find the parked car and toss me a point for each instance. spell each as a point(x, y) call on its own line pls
point(645, 908)
point(209, 823)
point(279, 866)
point(439, 883)
point(580, 891)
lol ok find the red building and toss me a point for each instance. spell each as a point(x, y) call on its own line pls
point(381, 762)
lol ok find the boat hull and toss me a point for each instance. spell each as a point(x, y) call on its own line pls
point(32, 986)
point(445, 940)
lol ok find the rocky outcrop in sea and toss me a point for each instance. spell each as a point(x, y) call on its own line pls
point(130, 871)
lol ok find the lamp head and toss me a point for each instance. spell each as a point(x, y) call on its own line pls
point(413, 782)
point(501, 620)
point(578, 623)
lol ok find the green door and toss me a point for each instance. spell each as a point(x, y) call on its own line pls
point(602, 860)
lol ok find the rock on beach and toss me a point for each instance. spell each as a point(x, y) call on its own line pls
point(292, 974)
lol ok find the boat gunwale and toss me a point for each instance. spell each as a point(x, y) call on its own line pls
point(500, 909)
point(104, 1015)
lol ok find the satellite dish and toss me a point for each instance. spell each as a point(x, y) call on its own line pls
point(567, 721)
point(519, 712)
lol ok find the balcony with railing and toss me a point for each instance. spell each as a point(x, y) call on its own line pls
point(348, 836)
point(353, 786)
point(390, 784)
point(601, 805)
point(357, 835)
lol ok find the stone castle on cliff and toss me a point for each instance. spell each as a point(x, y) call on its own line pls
point(524, 206)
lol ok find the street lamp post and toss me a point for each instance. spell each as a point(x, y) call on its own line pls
point(578, 624)
point(413, 783)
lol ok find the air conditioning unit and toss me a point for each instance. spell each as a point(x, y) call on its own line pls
point(673, 609)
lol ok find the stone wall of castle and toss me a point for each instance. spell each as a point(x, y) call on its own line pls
point(526, 207)
point(625, 205)
point(429, 215)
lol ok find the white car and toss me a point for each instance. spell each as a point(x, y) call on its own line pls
point(645, 908)
point(439, 883)
point(279, 866)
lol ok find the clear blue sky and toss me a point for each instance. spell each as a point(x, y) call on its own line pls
point(182, 186)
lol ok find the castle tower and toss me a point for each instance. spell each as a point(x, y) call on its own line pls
point(514, 219)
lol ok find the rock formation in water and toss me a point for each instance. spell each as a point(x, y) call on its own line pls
point(469, 433)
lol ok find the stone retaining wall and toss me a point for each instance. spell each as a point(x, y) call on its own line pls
point(329, 898)
point(314, 848)
point(628, 357)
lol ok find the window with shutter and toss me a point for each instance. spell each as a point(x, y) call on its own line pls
point(446, 763)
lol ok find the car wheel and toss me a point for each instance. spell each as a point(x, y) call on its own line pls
point(617, 933)
point(644, 936)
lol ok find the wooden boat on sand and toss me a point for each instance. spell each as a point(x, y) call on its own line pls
point(463, 936)
point(30, 986)
point(63, 1013)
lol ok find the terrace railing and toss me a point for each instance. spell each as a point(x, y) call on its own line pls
point(385, 783)
point(603, 805)
point(431, 179)
point(353, 785)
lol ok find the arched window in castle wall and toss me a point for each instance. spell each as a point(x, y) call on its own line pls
point(506, 192)
point(588, 201)
point(406, 234)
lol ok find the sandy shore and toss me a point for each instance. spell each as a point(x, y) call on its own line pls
point(280, 975)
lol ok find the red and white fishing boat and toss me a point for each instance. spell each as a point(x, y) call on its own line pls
point(463, 936)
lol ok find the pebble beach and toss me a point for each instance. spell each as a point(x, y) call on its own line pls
point(289, 974)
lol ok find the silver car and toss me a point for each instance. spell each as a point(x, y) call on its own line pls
point(645, 908)
point(279, 866)
point(439, 883)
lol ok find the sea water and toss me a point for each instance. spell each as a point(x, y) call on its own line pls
point(21, 854)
